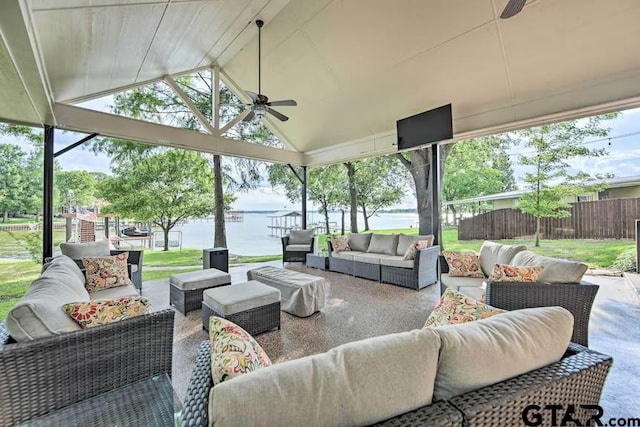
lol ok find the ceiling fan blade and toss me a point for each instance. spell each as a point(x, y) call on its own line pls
point(252, 95)
point(283, 103)
point(277, 114)
point(512, 8)
point(249, 116)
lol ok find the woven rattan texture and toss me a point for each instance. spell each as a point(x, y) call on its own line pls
point(186, 301)
point(50, 373)
point(148, 402)
point(254, 321)
point(195, 412)
point(576, 297)
point(341, 265)
point(366, 271)
point(577, 379)
point(438, 414)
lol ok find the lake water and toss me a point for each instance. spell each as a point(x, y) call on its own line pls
point(252, 237)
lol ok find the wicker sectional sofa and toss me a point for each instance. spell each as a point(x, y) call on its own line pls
point(561, 284)
point(48, 362)
point(380, 257)
point(339, 387)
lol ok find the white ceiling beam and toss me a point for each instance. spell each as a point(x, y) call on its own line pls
point(239, 92)
point(194, 109)
point(235, 120)
point(110, 125)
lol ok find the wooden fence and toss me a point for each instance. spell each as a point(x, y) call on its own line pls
point(603, 219)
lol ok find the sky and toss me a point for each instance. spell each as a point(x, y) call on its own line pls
point(623, 160)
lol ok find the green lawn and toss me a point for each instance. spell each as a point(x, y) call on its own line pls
point(163, 274)
point(15, 278)
point(12, 243)
point(194, 257)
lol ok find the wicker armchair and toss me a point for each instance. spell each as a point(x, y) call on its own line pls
point(576, 297)
point(578, 377)
point(46, 374)
point(296, 247)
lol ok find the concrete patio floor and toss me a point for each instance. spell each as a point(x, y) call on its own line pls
point(359, 308)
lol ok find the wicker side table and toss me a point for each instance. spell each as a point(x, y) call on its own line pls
point(319, 261)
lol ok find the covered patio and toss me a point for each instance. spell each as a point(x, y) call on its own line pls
point(354, 67)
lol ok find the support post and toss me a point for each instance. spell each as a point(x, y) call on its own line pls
point(47, 187)
point(435, 193)
point(67, 229)
point(637, 245)
point(106, 227)
point(304, 197)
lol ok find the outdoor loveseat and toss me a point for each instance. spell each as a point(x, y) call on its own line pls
point(561, 284)
point(380, 257)
point(59, 364)
point(576, 376)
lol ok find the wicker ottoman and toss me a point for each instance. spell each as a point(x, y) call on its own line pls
point(186, 288)
point(252, 305)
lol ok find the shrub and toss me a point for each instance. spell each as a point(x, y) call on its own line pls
point(626, 261)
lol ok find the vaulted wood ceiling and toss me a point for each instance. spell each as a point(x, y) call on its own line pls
point(354, 66)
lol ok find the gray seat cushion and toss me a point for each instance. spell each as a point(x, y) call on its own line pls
point(99, 248)
point(117, 292)
point(397, 261)
point(200, 279)
point(359, 241)
point(556, 270)
point(228, 300)
point(368, 258)
point(456, 283)
point(298, 248)
point(346, 254)
point(300, 237)
point(383, 244)
point(495, 253)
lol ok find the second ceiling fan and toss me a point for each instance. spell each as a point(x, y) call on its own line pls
point(261, 105)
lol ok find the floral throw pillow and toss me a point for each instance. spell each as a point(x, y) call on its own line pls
point(340, 243)
point(100, 312)
point(106, 272)
point(413, 249)
point(233, 351)
point(454, 308)
point(509, 273)
point(463, 264)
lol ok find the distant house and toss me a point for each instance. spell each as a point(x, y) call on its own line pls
point(617, 188)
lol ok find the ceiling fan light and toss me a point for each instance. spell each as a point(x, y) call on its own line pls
point(260, 111)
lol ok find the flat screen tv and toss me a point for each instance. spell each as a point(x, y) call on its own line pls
point(424, 128)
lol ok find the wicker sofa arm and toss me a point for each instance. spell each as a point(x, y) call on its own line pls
point(50, 373)
point(195, 410)
point(576, 297)
point(576, 379)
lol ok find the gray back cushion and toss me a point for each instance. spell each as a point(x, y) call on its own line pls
point(359, 241)
point(81, 250)
point(404, 241)
point(300, 237)
point(556, 270)
point(484, 352)
point(495, 253)
point(383, 244)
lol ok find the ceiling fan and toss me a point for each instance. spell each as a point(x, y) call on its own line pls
point(261, 105)
point(512, 8)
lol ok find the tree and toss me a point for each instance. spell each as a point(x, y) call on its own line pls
point(326, 186)
point(476, 167)
point(80, 184)
point(11, 179)
point(551, 179)
point(31, 172)
point(158, 102)
point(380, 183)
point(163, 188)
point(419, 164)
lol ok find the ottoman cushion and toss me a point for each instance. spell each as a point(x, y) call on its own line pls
point(200, 279)
point(240, 297)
